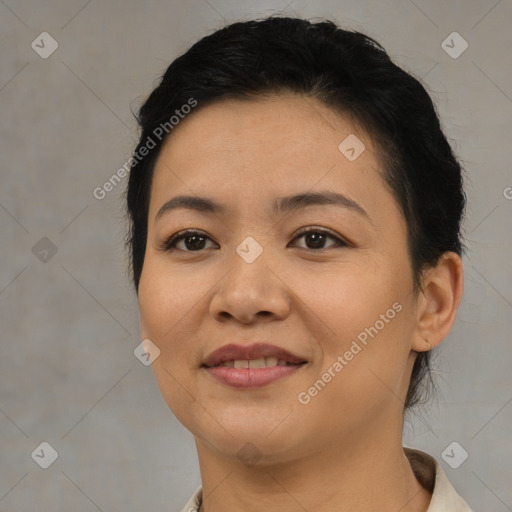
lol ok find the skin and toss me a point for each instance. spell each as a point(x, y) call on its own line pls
point(342, 450)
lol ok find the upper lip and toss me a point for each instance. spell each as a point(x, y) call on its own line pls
point(234, 352)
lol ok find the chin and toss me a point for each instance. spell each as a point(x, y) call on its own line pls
point(247, 436)
point(252, 450)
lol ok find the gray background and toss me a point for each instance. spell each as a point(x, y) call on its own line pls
point(69, 325)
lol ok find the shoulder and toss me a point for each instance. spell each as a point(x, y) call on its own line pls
point(194, 502)
point(431, 475)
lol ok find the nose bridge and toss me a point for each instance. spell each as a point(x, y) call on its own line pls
point(250, 267)
point(249, 250)
point(251, 230)
point(251, 286)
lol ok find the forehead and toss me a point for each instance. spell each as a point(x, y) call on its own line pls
point(273, 146)
point(298, 121)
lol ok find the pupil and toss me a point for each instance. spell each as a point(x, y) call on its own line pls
point(195, 245)
point(316, 238)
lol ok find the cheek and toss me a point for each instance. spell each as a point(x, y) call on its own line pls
point(163, 305)
point(165, 297)
point(348, 298)
point(172, 305)
point(367, 324)
point(359, 383)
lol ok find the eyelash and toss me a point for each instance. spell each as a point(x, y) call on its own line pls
point(169, 244)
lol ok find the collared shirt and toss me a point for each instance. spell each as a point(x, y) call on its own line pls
point(429, 473)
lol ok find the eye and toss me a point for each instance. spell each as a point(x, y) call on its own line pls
point(192, 238)
point(317, 236)
point(195, 241)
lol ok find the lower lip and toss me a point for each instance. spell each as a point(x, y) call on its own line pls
point(251, 377)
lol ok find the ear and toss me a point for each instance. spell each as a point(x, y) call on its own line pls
point(439, 301)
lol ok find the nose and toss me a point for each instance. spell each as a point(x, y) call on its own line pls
point(250, 292)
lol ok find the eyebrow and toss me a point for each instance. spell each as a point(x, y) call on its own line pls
point(280, 205)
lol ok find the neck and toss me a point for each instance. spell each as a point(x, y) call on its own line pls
point(361, 473)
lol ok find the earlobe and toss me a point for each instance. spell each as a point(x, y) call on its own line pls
point(442, 288)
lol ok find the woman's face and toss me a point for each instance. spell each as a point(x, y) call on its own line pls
point(339, 299)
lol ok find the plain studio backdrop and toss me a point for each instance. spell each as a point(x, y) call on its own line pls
point(71, 73)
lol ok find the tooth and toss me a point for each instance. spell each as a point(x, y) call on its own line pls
point(262, 362)
point(270, 361)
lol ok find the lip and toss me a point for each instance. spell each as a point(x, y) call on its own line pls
point(250, 377)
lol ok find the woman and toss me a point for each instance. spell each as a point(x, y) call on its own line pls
point(295, 215)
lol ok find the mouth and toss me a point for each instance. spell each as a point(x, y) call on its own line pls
point(262, 362)
point(251, 366)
